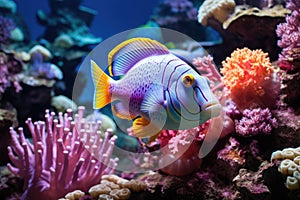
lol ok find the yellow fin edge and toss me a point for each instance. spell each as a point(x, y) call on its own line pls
point(102, 95)
point(123, 44)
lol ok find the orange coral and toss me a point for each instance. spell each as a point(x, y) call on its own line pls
point(249, 76)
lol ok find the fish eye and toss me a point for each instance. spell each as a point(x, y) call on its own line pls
point(188, 80)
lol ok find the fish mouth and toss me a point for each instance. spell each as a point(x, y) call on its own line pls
point(210, 106)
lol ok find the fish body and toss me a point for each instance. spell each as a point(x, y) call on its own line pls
point(158, 90)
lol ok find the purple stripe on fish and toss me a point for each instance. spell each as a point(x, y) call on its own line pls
point(168, 86)
point(201, 93)
point(165, 67)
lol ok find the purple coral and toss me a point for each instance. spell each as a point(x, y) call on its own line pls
point(65, 155)
point(293, 4)
point(6, 26)
point(289, 36)
point(173, 11)
point(44, 69)
point(254, 122)
point(9, 67)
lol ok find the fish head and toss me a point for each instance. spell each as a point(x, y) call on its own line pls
point(197, 101)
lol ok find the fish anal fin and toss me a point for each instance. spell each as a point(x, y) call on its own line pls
point(102, 81)
point(142, 128)
point(129, 52)
point(121, 111)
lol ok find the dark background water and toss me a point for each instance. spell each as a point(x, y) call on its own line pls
point(113, 16)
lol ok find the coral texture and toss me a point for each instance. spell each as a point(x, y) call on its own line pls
point(289, 166)
point(179, 10)
point(9, 67)
point(289, 35)
point(206, 68)
point(63, 156)
point(254, 122)
point(220, 10)
point(250, 78)
point(6, 26)
point(187, 141)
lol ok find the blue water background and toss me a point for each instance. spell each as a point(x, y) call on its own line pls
point(113, 16)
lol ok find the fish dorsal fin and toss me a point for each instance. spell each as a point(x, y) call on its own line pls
point(129, 52)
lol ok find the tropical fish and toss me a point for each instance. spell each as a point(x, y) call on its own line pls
point(158, 90)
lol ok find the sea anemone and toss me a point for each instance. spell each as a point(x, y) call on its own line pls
point(65, 154)
point(250, 78)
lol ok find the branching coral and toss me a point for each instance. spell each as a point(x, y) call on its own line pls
point(66, 154)
point(250, 78)
point(187, 141)
point(254, 122)
point(290, 37)
point(206, 67)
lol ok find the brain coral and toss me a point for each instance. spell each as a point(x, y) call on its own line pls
point(250, 78)
point(289, 166)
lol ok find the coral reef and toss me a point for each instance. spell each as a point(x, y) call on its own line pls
point(240, 28)
point(10, 66)
point(219, 10)
point(63, 156)
point(6, 26)
point(289, 166)
point(177, 14)
point(78, 17)
point(289, 37)
point(110, 187)
point(254, 122)
point(240, 77)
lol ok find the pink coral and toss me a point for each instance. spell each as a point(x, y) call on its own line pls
point(206, 67)
point(187, 141)
point(256, 121)
point(9, 67)
point(65, 155)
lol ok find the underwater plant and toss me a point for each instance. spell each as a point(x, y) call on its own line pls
point(250, 78)
point(65, 154)
point(289, 35)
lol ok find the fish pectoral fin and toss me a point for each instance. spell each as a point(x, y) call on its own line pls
point(129, 52)
point(154, 99)
point(142, 128)
point(122, 111)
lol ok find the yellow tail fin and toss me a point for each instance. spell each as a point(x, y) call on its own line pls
point(102, 95)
